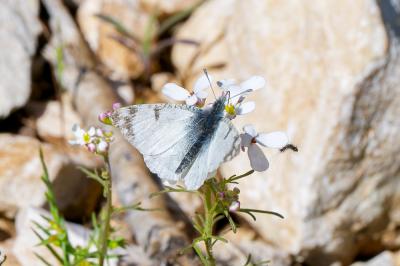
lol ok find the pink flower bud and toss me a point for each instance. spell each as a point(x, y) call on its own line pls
point(235, 206)
point(102, 116)
point(99, 132)
point(116, 106)
point(105, 118)
point(91, 147)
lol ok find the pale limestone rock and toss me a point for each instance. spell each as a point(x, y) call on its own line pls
point(19, 28)
point(158, 80)
point(244, 243)
point(333, 84)
point(121, 61)
point(57, 121)
point(6, 250)
point(21, 186)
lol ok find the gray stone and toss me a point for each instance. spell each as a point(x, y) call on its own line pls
point(19, 28)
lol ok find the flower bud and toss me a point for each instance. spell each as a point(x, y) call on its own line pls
point(102, 147)
point(91, 147)
point(105, 118)
point(235, 206)
point(99, 132)
point(116, 106)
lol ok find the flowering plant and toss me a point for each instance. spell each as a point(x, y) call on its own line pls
point(219, 199)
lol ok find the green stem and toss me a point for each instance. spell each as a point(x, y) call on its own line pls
point(105, 230)
point(209, 222)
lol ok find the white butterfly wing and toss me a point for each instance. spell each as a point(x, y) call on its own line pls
point(159, 132)
point(224, 145)
point(153, 128)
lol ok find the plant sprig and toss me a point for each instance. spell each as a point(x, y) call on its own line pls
point(218, 200)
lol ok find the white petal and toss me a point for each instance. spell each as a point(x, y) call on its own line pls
point(249, 129)
point(167, 182)
point(258, 161)
point(91, 131)
point(253, 83)
point(225, 83)
point(246, 108)
point(192, 100)
point(202, 94)
point(245, 140)
point(175, 92)
point(235, 91)
point(202, 84)
point(277, 139)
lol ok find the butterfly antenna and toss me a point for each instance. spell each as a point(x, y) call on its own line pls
point(209, 81)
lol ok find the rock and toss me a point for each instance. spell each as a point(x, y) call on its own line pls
point(385, 258)
point(244, 243)
point(158, 80)
point(333, 81)
point(121, 61)
point(57, 120)
point(6, 250)
point(168, 6)
point(20, 172)
point(20, 28)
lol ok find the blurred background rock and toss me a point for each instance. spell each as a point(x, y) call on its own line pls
point(333, 74)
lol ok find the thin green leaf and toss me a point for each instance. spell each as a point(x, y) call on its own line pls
point(234, 178)
point(93, 175)
point(220, 238)
point(118, 26)
point(50, 248)
point(42, 259)
point(231, 222)
point(262, 211)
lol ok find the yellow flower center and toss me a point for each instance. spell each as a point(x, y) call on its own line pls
point(86, 137)
point(230, 109)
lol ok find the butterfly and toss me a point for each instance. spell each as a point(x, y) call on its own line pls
point(180, 142)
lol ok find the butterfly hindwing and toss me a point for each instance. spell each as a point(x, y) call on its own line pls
point(223, 146)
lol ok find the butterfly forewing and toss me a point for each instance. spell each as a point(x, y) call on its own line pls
point(160, 133)
point(154, 128)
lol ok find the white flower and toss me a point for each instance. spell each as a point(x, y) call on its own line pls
point(252, 84)
point(237, 92)
point(198, 95)
point(251, 138)
point(81, 136)
point(236, 106)
point(95, 139)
